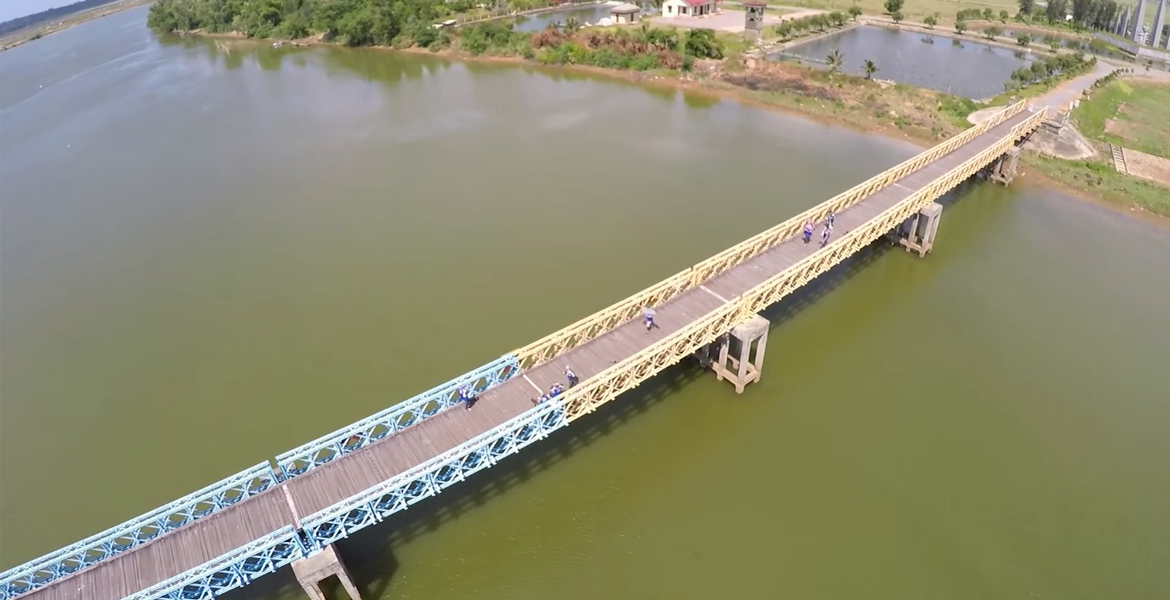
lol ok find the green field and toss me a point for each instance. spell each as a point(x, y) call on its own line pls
point(914, 10)
point(1102, 181)
point(1128, 113)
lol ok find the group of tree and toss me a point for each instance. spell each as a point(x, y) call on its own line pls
point(1086, 14)
point(352, 22)
point(646, 48)
point(814, 23)
point(1043, 71)
point(836, 59)
point(894, 9)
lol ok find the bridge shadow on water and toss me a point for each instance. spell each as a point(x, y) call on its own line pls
point(369, 554)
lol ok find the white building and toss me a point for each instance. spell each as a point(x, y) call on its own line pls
point(689, 8)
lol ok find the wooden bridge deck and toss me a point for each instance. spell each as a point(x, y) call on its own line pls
point(222, 532)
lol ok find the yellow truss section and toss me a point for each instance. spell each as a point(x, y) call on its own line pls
point(607, 319)
point(627, 374)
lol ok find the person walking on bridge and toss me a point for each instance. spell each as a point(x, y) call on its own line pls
point(466, 397)
point(825, 236)
point(571, 376)
point(648, 316)
point(808, 229)
point(829, 220)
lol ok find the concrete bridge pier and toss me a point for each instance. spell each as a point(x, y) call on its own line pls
point(318, 567)
point(921, 229)
point(1003, 170)
point(735, 351)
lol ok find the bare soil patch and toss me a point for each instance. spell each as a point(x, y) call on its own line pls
point(1147, 166)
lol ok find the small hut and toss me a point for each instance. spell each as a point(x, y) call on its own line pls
point(625, 13)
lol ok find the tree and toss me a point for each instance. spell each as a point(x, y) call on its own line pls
point(1053, 42)
point(897, 16)
point(991, 32)
point(1003, 16)
point(960, 26)
point(893, 6)
point(930, 21)
point(834, 60)
point(1023, 39)
point(572, 24)
point(1027, 6)
point(988, 14)
point(854, 12)
point(701, 43)
point(870, 68)
point(1056, 11)
point(838, 18)
point(1081, 10)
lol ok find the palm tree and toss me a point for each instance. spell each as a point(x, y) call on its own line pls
point(572, 24)
point(870, 68)
point(834, 61)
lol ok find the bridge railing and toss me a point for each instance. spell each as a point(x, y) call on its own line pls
point(627, 374)
point(232, 570)
point(615, 315)
point(394, 419)
point(431, 477)
point(135, 532)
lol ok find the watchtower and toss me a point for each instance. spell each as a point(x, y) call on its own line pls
point(753, 19)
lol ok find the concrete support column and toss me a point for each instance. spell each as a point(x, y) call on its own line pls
point(737, 362)
point(315, 568)
point(923, 227)
point(1004, 170)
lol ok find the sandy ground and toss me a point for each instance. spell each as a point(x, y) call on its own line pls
point(1147, 166)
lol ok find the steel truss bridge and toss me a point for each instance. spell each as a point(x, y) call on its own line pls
point(252, 523)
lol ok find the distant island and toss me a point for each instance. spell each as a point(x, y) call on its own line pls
point(49, 15)
point(15, 32)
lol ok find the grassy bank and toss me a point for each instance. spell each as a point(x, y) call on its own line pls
point(1100, 181)
point(1129, 113)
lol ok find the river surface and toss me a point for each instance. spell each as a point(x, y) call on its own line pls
point(210, 257)
point(968, 69)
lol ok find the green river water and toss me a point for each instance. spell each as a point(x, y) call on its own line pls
point(210, 256)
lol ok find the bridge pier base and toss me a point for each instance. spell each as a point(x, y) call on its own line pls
point(315, 568)
point(1003, 170)
point(923, 227)
point(735, 351)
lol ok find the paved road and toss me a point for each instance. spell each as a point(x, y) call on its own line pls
point(1057, 98)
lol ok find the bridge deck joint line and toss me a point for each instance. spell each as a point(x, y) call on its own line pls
point(712, 292)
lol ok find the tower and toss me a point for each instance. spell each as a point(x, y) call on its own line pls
point(1138, 22)
point(753, 18)
point(1159, 22)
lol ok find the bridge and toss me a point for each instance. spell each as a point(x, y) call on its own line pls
point(291, 509)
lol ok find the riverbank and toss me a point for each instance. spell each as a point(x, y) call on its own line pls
point(36, 32)
point(916, 115)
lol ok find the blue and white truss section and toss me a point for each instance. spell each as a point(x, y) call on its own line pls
point(394, 419)
point(232, 570)
point(398, 493)
point(120, 538)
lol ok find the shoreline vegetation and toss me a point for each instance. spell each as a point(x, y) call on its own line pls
point(696, 60)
